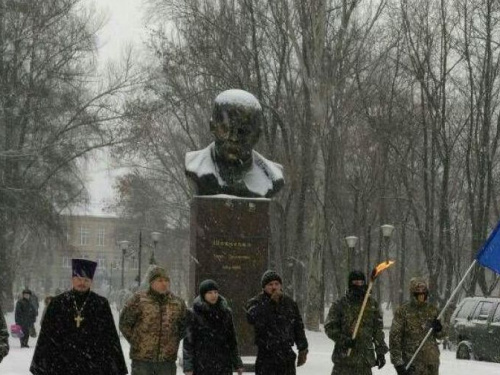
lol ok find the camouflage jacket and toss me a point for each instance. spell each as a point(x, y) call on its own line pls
point(340, 324)
point(153, 324)
point(410, 324)
point(4, 337)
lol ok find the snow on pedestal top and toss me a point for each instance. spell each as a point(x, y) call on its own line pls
point(238, 97)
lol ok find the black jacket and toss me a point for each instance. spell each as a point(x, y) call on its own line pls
point(25, 314)
point(278, 326)
point(210, 346)
point(65, 349)
point(4, 337)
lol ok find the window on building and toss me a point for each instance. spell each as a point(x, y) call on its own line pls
point(66, 262)
point(134, 264)
point(101, 233)
point(116, 264)
point(101, 262)
point(84, 235)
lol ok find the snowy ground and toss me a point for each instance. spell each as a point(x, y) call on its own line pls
point(320, 349)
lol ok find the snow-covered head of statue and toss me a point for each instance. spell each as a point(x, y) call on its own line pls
point(236, 125)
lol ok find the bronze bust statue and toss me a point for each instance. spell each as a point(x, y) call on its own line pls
point(229, 165)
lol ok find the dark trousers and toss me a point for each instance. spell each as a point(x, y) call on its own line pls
point(26, 337)
point(153, 368)
point(269, 363)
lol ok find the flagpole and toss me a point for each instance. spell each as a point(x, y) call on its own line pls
point(452, 296)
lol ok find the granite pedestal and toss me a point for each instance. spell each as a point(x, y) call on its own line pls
point(230, 243)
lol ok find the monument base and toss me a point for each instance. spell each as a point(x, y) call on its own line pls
point(230, 239)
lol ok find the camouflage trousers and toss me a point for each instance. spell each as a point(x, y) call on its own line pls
point(422, 368)
point(351, 370)
point(153, 368)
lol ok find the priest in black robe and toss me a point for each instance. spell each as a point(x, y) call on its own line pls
point(78, 335)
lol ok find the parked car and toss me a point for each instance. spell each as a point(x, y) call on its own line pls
point(475, 329)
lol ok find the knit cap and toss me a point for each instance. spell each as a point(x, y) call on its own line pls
point(157, 272)
point(206, 286)
point(269, 276)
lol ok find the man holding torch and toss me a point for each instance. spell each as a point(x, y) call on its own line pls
point(354, 322)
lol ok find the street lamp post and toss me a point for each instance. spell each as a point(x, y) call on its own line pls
point(139, 257)
point(351, 245)
point(123, 247)
point(387, 230)
point(155, 236)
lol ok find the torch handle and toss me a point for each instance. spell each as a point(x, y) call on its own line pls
point(360, 315)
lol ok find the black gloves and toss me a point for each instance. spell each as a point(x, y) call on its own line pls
point(380, 360)
point(350, 342)
point(401, 370)
point(302, 357)
point(436, 325)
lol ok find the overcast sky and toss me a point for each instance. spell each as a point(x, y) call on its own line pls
point(124, 27)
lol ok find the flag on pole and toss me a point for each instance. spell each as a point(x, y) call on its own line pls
point(489, 255)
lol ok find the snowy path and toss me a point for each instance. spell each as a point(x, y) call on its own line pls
point(18, 361)
point(319, 363)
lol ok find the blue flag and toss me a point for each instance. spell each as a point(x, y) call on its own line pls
point(489, 255)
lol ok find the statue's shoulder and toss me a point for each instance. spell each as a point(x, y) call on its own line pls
point(200, 162)
point(266, 177)
point(272, 169)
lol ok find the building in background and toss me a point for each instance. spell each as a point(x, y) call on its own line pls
point(97, 238)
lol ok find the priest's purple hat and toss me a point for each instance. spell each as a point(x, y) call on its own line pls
point(83, 268)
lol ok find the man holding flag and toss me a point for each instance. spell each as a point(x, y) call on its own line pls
point(410, 324)
point(356, 350)
point(489, 257)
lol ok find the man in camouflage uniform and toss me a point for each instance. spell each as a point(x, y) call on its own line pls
point(412, 320)
point(4, 337)
point(368, 348)
point(154, 322)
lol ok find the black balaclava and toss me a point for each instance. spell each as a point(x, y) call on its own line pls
point(357, 291)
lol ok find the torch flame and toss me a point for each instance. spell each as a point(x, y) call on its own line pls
point(381, 267)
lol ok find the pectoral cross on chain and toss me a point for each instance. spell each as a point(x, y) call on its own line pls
point(78, 320)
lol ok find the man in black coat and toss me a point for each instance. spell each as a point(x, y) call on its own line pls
point(278, 326)
point(25, 316)
point(78, 335)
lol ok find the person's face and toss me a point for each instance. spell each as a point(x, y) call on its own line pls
point(160, 285)
point(272, 286)
point(236, 134)
point(211, 297)
point(420, 293)
point(26, 295)
point(81, 284)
